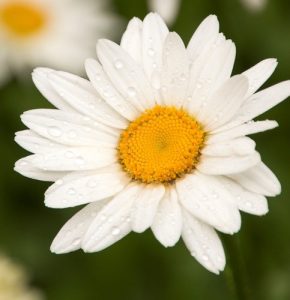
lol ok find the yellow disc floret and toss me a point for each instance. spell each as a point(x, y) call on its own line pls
point(161, 145)
point(22, 19)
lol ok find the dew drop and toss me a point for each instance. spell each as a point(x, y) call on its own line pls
point(249, 204)
point(115, 231)
point(150, 51)
point(205, 257)
point(79, 161)
point(118, 64)
point(54, 131)
point(76, 242)
point(71, 191)
point(131, 91)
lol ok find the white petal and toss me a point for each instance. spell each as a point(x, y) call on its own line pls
point(259, 73)
point(246, 201)
point(204, 35)
point(206, 198)
point(224, 103)
point(153, 37)
point(34, 143)
point(175, 71)
point(203, 243)
point(84, 187)
point(40, 79)
point(126, 75)
point(227, 165)
point(75, 159)
point(208, 73)
point(68, 128)
point(168, 9)
point(240, 130)
point(25, 167)
point(112, 223)
point(106, 89)
point(131, 40)
point(259, 103)
point(167, 223)
point(264, 100)
point(85, 100)
point(259, 179)
point(70, 236)
point(239, 146)
point(145, 207)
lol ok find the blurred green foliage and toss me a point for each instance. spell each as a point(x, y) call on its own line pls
point(138, 267)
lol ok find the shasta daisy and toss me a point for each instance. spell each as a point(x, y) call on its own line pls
point(156, 139)
point(34, 32)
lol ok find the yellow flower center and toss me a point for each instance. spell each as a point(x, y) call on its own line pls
point(161, 145)
point(22, 19)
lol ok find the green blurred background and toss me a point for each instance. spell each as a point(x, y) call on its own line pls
point(138, 267)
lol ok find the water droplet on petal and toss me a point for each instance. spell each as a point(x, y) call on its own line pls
point(118, 64)
point(76, 242)
point(79, 161)
point(71, 191)
point(115, 231)
point(151, 52)
point(205, 257)
point(23, 163)
point(54, 131)
point(59, 182)
point(131, 91)
point(249, 204)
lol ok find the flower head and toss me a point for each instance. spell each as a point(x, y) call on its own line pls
point(156, 139)
point(14, 282)
point(167, 9)
point(46, 32)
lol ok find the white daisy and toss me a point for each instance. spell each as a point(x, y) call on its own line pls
point(14, 282)
point(49, 32)
point(159, 140)
point(167, 9)
point(255, 5)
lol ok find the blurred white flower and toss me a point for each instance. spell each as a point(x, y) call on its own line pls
point(254, 5)
point(167, 9)
point(54, 33)
point(156, 139)
point(14, 282)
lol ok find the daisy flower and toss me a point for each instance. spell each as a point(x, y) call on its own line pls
point(14, 282)
point(255, 5)
point(167, 9)
point(156, 139)
point(46, 32)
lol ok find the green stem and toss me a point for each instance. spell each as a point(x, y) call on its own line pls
point(235, 271)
